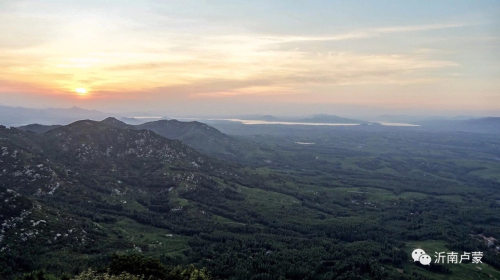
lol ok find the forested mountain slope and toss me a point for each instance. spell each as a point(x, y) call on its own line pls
point(196, 135)
point(349, 206)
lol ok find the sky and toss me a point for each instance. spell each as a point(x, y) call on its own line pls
point(282, 57)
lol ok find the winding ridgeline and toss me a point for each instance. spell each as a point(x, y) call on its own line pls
point(199, 136)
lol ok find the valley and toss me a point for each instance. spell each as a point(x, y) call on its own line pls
point(351, 206)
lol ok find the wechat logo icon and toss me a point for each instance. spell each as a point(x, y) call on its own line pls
point(420, 256)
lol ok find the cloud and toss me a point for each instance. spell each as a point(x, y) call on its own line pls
point(364, 33)
point(412, 28)
point(201, 65)
point(270, 76)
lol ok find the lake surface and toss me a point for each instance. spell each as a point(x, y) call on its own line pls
point(259, 122)
point(395, 124)
point(253, 122)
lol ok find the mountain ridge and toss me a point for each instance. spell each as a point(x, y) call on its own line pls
point(197, 135)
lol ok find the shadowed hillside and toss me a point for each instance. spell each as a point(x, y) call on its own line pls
point(199, 136)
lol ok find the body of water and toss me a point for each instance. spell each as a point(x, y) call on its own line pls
point(259, 122)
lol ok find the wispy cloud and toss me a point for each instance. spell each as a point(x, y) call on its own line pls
point(152, 56)
point(223, 66)
point(365, 33)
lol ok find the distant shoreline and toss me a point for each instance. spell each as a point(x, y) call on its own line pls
point(259, 122)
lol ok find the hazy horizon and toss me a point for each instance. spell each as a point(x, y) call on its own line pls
point(206, 58)
point(367, 116)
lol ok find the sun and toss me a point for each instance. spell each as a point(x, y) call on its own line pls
point(81, 91)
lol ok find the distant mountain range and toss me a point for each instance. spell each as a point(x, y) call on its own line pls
point(16, 116)
point(457, 123)
point(324, 118)
point(415, 119)
point(267, 118)
point(479, 125)
point(192, 133)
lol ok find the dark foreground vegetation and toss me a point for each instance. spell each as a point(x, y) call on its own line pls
point(129, 267)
